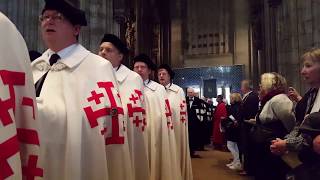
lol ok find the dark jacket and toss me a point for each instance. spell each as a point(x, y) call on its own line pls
point(232, 126)
point(250, 106)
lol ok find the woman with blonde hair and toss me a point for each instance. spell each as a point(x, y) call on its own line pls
point(275, 119)
point(232, 129)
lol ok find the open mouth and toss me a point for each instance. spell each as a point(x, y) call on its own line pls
point(50, 30)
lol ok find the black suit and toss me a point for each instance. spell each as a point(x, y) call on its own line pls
point(249, 109)
point(194, 124)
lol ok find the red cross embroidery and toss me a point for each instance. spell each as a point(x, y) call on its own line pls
point(182, 106)
point(134, 110)
point(95, 97)
point(29, 102)
point(183, 120)
point(28, 136)
point(134, 99)
point(137, 121)
point(31, 171)
point(7, 149)
point(144, 123)
point(11, 79)
point(103, 131)
point(114, 111)
point(139, 93)
point(168, 114)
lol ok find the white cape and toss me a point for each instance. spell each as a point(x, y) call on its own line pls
point(131, 88)
point(162, 165)
point(180, 123)
point(19, 139)
point(82, 119)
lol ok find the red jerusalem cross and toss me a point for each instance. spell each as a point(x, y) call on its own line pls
point(183, 119)
point(31, 171)
point(95, 97)
point(7, 149)
point(168, 114)
point(137, 121)
point(134, 99)
point(114, 111)
point(11, 79)
point(138, 92)
point(182, 105)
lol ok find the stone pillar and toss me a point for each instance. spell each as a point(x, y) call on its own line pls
point(25, 15)
point(241, 34)
point(178, 43)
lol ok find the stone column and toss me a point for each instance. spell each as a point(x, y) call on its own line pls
point(241, 34)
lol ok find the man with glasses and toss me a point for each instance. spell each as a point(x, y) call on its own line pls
point(82, 132)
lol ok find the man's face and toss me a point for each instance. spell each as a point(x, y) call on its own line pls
point(142, 69)
point(244, 87)
point(56, 28)
point(190, 92)
point(110, 52)
point(163, 76)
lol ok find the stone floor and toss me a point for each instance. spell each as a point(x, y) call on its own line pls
point(212, 167)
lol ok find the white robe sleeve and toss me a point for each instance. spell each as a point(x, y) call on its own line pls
point(19, 138)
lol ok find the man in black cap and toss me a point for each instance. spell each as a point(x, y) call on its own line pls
point(130, 89)
point(178, 106)
point(162, 145)
point(81, 117)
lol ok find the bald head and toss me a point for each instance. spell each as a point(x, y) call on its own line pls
point(190, 92)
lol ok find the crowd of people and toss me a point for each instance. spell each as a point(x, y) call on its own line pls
point(73, 114)
point(87, 116)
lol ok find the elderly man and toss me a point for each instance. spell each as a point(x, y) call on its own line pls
point(82, 131)
point(194, 107)
point(19, 139)
point(178, 106)
point(160, 127)
point(130, 88)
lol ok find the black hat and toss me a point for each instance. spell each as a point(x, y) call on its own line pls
point(146, 59)
point(311, 125)
point(116, 42)
point(74, 15)
point(168, 68)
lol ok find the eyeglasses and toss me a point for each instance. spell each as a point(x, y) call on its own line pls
point(56, 17)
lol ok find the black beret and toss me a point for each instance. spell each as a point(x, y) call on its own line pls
point(311, 125)
point(116, 42)
point(74, 15)
point(146, 59)
point(168, 68)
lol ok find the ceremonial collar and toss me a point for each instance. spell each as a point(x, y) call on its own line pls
point(70, 56)
point(122, 73)
point(172, 87)
point(150, 84)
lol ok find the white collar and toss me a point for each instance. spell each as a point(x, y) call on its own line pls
point(316, 104)
point(172, 87)
point(150, 84)
point(245, 95)
point(64, 52)
point(70, 56)
point(122, 73)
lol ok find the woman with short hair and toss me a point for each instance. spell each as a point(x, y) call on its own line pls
point(275, 119)
point(232, 129)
